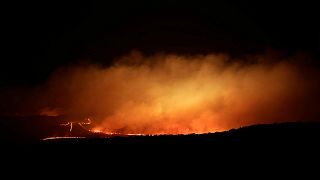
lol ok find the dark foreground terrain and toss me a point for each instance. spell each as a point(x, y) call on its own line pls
point(27, 133)
point(268, 148)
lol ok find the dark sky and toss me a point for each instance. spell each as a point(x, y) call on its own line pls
point(38, 37)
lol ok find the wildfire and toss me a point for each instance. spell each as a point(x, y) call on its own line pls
point(176, 94)
point(96, 131)
point(178, 132)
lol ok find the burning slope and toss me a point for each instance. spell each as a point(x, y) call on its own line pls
point(174, 94)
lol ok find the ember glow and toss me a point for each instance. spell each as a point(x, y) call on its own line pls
point(94, 130)
point(176, 94)
point(62, 137)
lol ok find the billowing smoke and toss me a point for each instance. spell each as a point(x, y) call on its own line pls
point(168, 93)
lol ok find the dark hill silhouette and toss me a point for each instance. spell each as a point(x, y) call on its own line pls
point(23, 136)
point(266, 142)
point(29, 132)
point(281, 134)
point(26, 130)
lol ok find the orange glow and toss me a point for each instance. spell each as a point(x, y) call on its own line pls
point(96, 131)
point(176, 94)
point(63, 137)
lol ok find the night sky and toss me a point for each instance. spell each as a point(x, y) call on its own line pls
point(38, 37)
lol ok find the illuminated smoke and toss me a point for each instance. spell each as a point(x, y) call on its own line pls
point(167, 93)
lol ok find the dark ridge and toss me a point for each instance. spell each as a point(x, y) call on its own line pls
point(31, 131)
point(281, 134)
point(21, 139)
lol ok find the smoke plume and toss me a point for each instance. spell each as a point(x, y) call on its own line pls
point(168, 93)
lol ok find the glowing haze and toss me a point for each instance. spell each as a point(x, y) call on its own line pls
point(168, 93)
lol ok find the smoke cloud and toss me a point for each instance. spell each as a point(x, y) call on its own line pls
point(168, 93)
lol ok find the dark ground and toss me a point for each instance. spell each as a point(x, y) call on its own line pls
point(28, 132)
point(263, 147)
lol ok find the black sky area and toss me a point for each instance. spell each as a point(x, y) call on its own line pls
point(39, 37)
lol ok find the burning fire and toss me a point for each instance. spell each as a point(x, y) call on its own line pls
point(175, 94)
point(94, 130)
